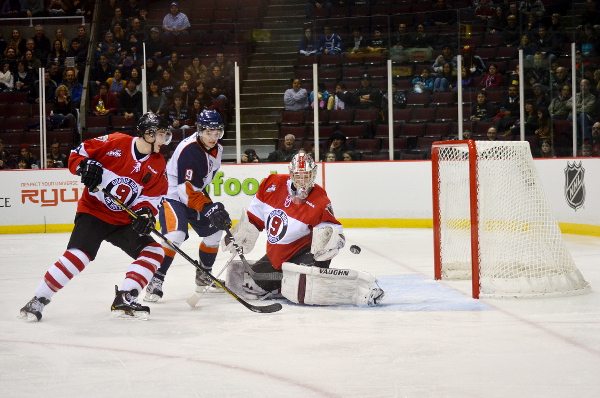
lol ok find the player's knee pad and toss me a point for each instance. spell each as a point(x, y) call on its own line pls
point(213, 240)
point(327, 286)
point(177, 237)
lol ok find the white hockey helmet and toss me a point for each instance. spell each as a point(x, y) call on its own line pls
point(303, 172)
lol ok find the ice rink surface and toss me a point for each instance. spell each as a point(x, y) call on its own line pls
point(428, 339)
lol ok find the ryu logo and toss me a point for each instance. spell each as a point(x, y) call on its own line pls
point(574, 185)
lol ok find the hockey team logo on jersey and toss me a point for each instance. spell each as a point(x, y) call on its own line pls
point(115, 152)
point(125, 189)
point(277, 225)
point(272, 188)
point(136, 167)
point(574, 185)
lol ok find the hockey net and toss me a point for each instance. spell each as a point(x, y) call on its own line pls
point(493, 224)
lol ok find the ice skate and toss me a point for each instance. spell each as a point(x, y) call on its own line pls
point(32, 312)
point(154, 290)
point(377, 296)
point(205, 284)
point(126, 306)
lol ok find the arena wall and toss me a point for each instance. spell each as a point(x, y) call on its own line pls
point(364, 194)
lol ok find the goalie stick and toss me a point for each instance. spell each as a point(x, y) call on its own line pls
point(260, 309)
point(193, 300)
point(257, 276)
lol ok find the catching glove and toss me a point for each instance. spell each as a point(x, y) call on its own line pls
point(145, 221)
point(91, 173)
point(218, 216)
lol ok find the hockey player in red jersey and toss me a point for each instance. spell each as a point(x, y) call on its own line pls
point(303, 236)
point(132, 169)
point(192, 167)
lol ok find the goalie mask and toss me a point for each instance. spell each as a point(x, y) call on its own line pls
point(210, 128)
point(149, 124)
point(303, 172)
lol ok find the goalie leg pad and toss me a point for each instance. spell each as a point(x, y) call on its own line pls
point(244, 233)
point(328, 286)
point(326, 242)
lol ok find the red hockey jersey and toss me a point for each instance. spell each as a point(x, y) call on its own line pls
point(288, 225)
point(137, 183)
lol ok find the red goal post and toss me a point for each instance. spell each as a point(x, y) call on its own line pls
point(493, 224)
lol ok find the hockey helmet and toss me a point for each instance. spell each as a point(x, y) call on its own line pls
point(150, 123)
point(210, 119)
point(303, 172)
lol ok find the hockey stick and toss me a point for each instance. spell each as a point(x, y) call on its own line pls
point(193, 300)
point(260, 309)
point(266, 276)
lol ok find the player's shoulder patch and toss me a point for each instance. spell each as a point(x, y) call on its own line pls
point(102, 138)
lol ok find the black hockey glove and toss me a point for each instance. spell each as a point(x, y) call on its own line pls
point(218, 216)
point(91, 173)
point(145, 221)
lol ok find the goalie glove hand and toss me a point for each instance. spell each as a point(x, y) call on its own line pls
point(145, 221)
point(91, 173)
point(218, 216)
point(326, 243)
point(244, 233)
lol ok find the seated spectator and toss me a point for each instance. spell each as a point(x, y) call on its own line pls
point(538, 72)
point(546, 150)
point(368, 94)
point(130, 101)
point(198, 71)
point(10, 9)
point(497, 22)
point(7, 79)
point(50, 90)
point(539, 96)
point(595, 133)
point(156, 47)
point(349, 156)
point(175, 22)
point(511, 34)
point(42, 43)
point(466, 79)
point(100, 74)
point(250, 156)
point(510, 109)
point(117, 84)
point(421, 39)
point(442, 14)
point(492, 79)
point(403, 38)
point(445, 80)
point(482, 110)
point(531, 120)
point(136, 75)
point(546, 43)
point(423, 83)
point(167, 85)
point(75, 88)
point(7, 160)
point(24, 79)
point(153, 69)
point(378, 43)
point(33, 8)
point(286, 153)
point(178, 114)
point(525, 45)
point(156, 99)
point(187, 95)
point(316, 4)
point(136, 29)
point(356, 44)
point(78, 53)
point(63, 103)
point(203, 95)
point(322, 97)
point(31, 161)
point(560, 78)
point(118, 19)
point(558, 108)
point(59, 8)
point(472, 62)
point(59, 159)
point(484, 11)
point(588, 41)
point(338, 146)
point(492, 134)
point(105, 102)
point(295, 98)
point(446, 57)
point(556, 28)
point(11, 56)
point(109, 40)
point(329, 43)
point(585, 106)
point(175, 66)
point(398, 99)
point(342, 98)
point(226, 66)
point(329, 157)
point(545, 124)
point(82, 37)
point(33, 64)
point(218, 80)
point(57, 54)
point(585, 151)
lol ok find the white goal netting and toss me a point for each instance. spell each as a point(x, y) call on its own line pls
point(519, 244)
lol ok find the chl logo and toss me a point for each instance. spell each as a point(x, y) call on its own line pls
point(277, 225)
point(125, 189)
point(574, 185)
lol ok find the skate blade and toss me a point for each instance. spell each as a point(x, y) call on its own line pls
point(209, 289)
point(379, 299)
point(152, 298)
point(137, 315)
point(27, 317)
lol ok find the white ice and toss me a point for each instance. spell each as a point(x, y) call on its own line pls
point(428, 339)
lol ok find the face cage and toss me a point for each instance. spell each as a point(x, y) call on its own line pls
point(303, 182)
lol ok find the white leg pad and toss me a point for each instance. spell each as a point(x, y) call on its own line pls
point(327, 286)
point(237, 277)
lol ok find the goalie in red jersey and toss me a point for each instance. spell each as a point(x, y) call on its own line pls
point(133, 170)
point(303, 236)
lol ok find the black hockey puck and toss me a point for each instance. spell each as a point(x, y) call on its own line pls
point(355, 249)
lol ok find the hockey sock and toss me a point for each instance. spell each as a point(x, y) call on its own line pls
point(70, 264)
point(166, 264)
point(143, 268)
point(208, 255)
